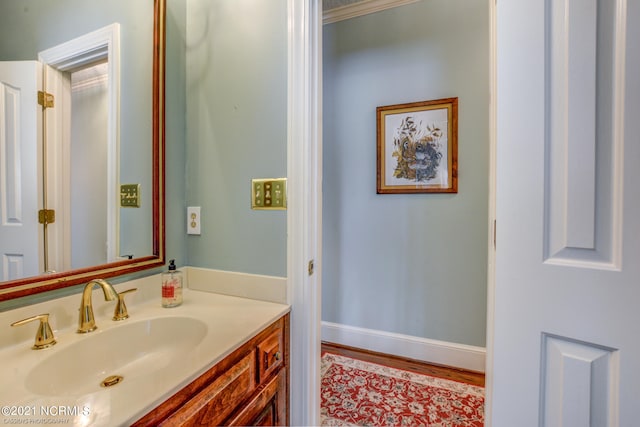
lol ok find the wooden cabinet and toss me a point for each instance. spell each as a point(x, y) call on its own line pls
point(248, 387)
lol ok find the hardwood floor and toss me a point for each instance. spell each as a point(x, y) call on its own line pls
point(455, 374)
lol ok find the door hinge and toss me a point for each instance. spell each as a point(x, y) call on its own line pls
point(46, 216)
point(45, 99)
point(310, 268)
point(495, 224)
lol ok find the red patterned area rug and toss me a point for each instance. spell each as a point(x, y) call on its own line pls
point(358, 393)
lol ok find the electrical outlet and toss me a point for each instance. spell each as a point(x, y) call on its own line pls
point(193, 220)
point(270, 193)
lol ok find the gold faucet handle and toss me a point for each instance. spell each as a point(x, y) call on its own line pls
point(44, 335)
point(121, 309)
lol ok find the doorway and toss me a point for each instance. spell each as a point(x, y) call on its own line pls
point(80, 71)
point(406, 273)
point(305, 210)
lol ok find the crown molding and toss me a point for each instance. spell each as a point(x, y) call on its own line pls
point(361, 8)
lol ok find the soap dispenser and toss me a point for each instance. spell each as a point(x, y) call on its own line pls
point(172, 286)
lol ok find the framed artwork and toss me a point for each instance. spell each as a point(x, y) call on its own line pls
point(418, 147)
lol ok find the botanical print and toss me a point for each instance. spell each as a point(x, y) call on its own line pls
point(418, 154)
point(417, 147)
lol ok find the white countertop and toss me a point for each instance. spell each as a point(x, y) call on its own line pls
point(231, 321)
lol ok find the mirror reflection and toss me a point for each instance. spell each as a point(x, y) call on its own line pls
point(63, 167)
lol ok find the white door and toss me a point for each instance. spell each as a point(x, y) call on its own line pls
point(566, 334)
point(19, 136)
point(93, 55)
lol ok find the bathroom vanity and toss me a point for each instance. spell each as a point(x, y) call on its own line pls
point(248, 387)
point(214, 360)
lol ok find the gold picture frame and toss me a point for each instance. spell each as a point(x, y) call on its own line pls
point(418, 147)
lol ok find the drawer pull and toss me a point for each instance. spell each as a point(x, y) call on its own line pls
point(277, 356)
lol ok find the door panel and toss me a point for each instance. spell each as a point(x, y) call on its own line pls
point(585, 93)
point(580, 382)
point(566, 325)
point(19, 177)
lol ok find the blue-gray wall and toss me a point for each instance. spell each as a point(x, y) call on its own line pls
point(413, 264)
point(236, 130)
point(175, 128)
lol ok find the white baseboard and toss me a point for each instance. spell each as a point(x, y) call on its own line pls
point(254, 286)
point(431, 351)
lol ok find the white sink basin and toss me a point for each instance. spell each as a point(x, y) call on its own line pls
point(157, 351)
point(136, 351)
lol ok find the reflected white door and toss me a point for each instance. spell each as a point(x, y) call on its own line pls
point(19, 136)
point(566, 336)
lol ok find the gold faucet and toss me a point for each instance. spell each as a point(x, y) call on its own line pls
point(86, 322)
point(121, 312)
point(44, 335)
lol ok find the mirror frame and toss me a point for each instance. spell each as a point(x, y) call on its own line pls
point(44, 283)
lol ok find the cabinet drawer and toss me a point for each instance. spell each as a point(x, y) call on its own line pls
point(268, 407)
point(216, 402)
point(270, 354)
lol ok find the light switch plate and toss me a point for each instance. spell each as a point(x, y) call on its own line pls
point(269, 194)
point(130, 195)
point(193, 220)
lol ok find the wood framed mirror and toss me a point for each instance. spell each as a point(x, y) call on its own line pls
point(154, 256)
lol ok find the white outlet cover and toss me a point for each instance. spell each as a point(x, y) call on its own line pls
point(193, 220)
